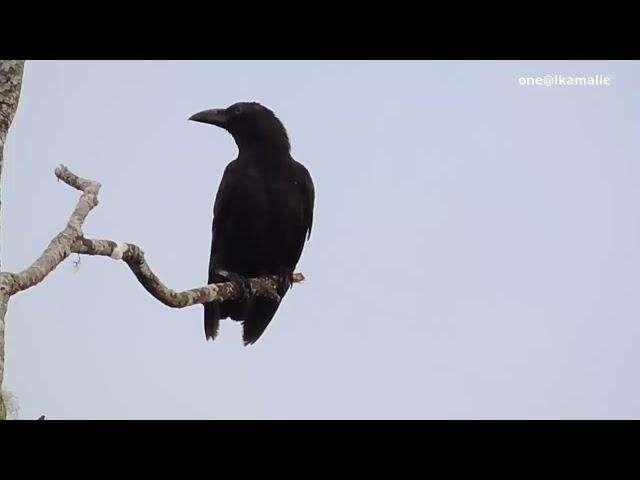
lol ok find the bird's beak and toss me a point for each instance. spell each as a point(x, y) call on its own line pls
point(214, 116)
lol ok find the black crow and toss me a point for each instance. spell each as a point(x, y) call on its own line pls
point(262, 215)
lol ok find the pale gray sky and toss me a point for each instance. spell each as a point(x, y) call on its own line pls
point(475, 253)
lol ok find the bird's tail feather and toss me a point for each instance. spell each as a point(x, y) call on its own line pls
point(211, 320)
point(214, 311)
point(257, 319)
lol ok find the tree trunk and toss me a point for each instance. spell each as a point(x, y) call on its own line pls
point(10, 85)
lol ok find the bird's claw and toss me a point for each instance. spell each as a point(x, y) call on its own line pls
point(242, 282)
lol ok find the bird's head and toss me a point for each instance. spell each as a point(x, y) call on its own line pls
point(250, 124)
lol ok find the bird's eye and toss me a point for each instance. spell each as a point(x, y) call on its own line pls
point(237, 110)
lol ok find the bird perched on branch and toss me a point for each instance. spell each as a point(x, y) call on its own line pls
point(262, 215)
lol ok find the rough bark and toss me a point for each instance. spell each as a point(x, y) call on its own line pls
point(10, 86)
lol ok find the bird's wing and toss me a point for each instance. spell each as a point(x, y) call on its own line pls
point(220, 209)
point(221, 204)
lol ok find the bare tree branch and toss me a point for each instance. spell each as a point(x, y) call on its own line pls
point(60, 247)
point(71, 240)
point(133, 256)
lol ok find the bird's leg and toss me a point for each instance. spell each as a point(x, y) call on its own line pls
point(241, 282)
